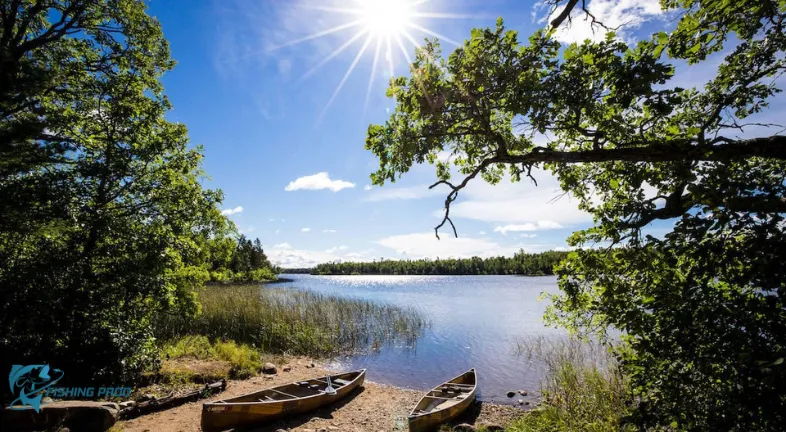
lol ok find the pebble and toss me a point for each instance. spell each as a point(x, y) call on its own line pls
point(287, 369)
point(523, 392)
point(511, 394)
point(521, 401)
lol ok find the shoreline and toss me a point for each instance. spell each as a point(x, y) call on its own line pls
point(374, 407)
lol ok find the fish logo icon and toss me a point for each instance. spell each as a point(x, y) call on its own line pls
point(30, 383)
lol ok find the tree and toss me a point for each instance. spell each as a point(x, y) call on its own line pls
point(105, 222)
point(702, 308)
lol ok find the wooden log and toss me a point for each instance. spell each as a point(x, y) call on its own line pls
point(172, 400)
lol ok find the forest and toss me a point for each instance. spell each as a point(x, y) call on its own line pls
point(239, 261)
point(522, 263)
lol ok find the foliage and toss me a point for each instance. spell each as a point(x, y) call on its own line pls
point(238, 261)
point(104, 217)
point(521, 263)
point(292, 321)
point(244, 360)
point(582, 390)
point(703, 307)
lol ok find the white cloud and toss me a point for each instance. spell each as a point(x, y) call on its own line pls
point(336, 249)
point(271, 220)
point(518, 203)
point(528, 235)
point(402, 193)
point(278, 231)
point(328, 230)
point(299, 258)
point(317, 182)
point(305, 229)
point(247, 230)
point(626, 15)
point(230, 212)
point(282, 246)
point(482, 233)
point(368, 187)
point(425, 245)
point(540, 225)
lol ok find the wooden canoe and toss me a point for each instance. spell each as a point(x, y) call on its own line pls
point(444, 403)
point(270, 404)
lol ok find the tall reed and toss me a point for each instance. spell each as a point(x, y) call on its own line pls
point(582, 388)
point(294, 321)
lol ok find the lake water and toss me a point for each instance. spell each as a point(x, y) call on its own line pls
point(475, 322)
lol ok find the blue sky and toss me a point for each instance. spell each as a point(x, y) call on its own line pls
point(287, 148)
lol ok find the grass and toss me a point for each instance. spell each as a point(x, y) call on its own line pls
point(582, 390)
point(290, 321)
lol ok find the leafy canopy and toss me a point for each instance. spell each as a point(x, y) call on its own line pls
point(105, 220)
point(701, 309)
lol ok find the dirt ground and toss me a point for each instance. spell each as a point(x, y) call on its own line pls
point(373, 408)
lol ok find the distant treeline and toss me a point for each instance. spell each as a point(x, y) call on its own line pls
point(521, 263)
point(296, 270)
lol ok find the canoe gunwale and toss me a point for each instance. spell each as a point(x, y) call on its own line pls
point(360, 373)
point(471, 395)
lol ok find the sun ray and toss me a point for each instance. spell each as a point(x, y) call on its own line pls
point(346, 76)
point(332, 55)
point(411, 39)
point(432, 33)
point(380, 20)
point(403, 50)
point(373, 74)
point(389, 56)
point(318, 35)
point(349, 11)
point(440, 15)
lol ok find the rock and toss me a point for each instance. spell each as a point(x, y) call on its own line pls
point(511, 394)
point(147, 397)
point(492, 427)
point(268, 377)
point(464, 427)
point(322, 430)
point(127, 404)
point(270, 369)
point(112, 405)
point(334, 428)
point(310, 365)
point(526, 402)
point(75, 415)
point(281, 430)
point(523, 392)
point(287, 369)
point(46, 400)
point(521, 401)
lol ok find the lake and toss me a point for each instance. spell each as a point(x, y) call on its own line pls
point(475, 322)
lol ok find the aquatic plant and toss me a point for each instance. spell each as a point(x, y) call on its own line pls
point(294, 321)
point(582, 389)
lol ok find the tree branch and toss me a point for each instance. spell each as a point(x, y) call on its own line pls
point(564, 14)
point(773, 147)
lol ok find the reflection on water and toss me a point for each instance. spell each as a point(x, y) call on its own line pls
point(475, 322)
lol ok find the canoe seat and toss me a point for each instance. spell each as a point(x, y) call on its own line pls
point(341, 381)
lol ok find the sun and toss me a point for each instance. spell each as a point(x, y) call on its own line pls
point(389, 25)
point(385, 18)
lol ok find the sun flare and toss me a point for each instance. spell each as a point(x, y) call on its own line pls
point(384, 18)
point(387, 25)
